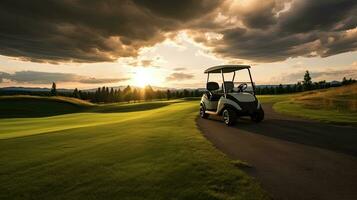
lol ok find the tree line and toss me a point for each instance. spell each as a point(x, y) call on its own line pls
point(132, 94)
point(305, 85)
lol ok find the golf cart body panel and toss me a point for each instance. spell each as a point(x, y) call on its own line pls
point(224, 102)
point(230, 101)
point(210, 105)
point(243, 97)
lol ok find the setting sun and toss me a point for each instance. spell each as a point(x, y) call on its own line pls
point(145, 76)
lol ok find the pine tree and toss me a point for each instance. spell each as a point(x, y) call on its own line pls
point(136, 95)
point(76, 93)
point(127, 94)
point(280, 89)
point(111, 95)
point(119, 95)
point(54, 89)
point(149, 92)
point(106, 95)
point(307, 81)
point(299, 87)
point(168, 94)
point(97, 95)
point(344, 81)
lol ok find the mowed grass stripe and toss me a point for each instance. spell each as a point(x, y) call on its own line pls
point(18, 127)
point(158, 154)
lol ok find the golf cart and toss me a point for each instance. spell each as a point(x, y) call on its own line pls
point(230, 102)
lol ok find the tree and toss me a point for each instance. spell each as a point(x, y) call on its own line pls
point(54, 89)
point(186, 93)
point(298, 87)
point(344, 81)
point(136, 95)
point(280, 89)
point(149, 92)
point(111, 95)
point(76, 93)
point(118, 95)
point(127, 94)
point(97, 95)
point(106, 95)
point(288, 89)
point(322, 84)
point(307, 83)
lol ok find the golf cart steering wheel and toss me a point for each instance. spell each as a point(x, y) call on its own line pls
point(242, 87)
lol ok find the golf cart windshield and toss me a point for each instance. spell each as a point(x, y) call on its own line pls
point(233, 78)
point(235, 88)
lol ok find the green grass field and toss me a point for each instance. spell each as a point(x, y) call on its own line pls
point(118, 151)
point(336, 105)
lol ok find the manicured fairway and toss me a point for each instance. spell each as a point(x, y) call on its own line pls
point(103, 153)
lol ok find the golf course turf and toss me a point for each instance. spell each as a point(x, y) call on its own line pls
point(333, 105)
point(103, 152)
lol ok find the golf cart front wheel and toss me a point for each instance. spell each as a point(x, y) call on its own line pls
point(203, 113)
point(258, 116)
point(229, 116)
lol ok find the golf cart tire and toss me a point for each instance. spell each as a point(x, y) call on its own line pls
point(258, 116)
point(232, 116)
point(203, 113)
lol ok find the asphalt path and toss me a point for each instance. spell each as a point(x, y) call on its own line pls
point(292, 158)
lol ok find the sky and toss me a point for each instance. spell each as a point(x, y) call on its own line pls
point(86, 43)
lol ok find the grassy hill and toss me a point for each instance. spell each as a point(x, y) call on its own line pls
point(24, 106)
point(329, 105)
point(340, 99)
point(118, 151)
point(35, 106)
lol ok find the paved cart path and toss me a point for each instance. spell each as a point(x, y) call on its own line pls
point(291, 157)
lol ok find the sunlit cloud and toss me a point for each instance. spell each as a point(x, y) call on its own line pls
point(36, 77)
point(179, 76)
point(180, 68)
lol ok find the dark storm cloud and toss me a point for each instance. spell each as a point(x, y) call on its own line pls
point(273, 33)
point(95, 31)
point(260, 14)
point(307, 15)
point(178, 76)
point(88, 30)
point(181, 10)
point(36, 77)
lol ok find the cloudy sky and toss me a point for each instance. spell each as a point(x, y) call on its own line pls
point(89, 43)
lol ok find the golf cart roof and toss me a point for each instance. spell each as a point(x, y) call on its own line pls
point(226, 68)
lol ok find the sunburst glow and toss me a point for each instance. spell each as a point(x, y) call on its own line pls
point(145, 76)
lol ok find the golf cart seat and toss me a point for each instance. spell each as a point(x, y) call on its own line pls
point(229, 86)
point(213, 86)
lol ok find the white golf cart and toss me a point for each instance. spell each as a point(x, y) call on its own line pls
point(230, 102)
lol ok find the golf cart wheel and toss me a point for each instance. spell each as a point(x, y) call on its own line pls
point(203, 113)
point(229, 116)
point(258, 116)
